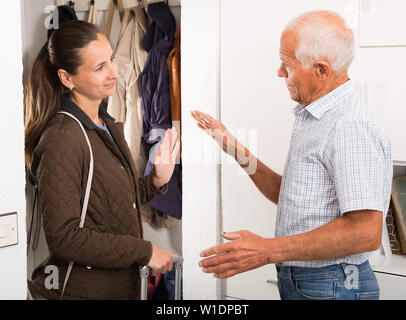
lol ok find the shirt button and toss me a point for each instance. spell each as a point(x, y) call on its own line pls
point(134, 205)
point(88, 267)
point(122, 167)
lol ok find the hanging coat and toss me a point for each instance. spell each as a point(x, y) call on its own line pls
point(174, 86)
point(125, 104)
point(154, 87)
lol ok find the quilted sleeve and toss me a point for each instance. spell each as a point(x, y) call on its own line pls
point(148, 191)
point(59, 183)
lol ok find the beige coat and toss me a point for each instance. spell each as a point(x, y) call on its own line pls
point(126, 105)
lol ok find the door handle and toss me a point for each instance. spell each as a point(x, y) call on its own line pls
point(272, 281)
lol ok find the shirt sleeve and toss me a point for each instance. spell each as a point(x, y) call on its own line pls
point(360, 164)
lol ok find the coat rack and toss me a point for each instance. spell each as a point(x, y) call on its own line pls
point(84, 5)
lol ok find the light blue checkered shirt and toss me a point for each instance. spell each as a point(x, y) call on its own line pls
point(339, 160)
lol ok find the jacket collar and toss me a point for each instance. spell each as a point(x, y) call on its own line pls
point(69, 106)
point(319, 107)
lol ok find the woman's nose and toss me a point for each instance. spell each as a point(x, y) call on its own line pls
point(113, 71)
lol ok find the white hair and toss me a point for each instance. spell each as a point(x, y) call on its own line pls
point(323, 35)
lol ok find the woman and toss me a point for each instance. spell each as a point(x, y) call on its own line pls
point(73, 74)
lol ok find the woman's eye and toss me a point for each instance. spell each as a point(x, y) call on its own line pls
point(99, 68)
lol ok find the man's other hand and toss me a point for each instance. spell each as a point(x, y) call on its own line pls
point(246, 251)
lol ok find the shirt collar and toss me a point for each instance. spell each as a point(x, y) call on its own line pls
point(69, 106)
point(319, 107)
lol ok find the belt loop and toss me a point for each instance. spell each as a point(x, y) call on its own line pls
point(289, 268)
point(344, 266)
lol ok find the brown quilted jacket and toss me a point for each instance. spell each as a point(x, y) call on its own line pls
point(109, 249)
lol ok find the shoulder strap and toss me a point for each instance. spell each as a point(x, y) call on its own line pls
point(87, 194)
point(37, 221)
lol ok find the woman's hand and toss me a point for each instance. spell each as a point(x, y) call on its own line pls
point(161, 260)
point(165, 159)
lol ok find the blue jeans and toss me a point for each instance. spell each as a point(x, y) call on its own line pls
point(337, 282)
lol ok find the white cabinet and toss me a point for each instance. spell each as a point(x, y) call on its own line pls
point(391, 273)
point(393, 287)
point(253, 99)
point(258, 284)
point(384, 91)
point(390, 14)
point(382, 45)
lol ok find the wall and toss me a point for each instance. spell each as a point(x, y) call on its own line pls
point(33, 30)
point(34, 35)
point(12, 259)
point(201, 175)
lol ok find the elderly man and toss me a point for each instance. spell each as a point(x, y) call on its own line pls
point(335, 190)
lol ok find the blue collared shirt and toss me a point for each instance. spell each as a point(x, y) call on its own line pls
point(339, 160)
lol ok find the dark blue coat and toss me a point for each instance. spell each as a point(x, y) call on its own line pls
point(154, 87)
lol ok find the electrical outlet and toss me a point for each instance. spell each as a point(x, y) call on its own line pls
point(8, 229)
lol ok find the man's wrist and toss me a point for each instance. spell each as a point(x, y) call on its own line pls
point(246, 159)
point(273, 250)
point(241, 155)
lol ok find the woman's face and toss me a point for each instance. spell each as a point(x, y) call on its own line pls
point(96, 77)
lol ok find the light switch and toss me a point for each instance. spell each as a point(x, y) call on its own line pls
point(8, 229)
point(5, 230)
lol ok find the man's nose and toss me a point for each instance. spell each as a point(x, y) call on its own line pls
point(282, 72)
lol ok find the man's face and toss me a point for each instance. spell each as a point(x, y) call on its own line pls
point(300, 82)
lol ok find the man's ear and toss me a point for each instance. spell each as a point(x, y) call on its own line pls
point(323, 69)
point(65, 78)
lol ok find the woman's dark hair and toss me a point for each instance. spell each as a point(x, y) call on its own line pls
point(44, 90)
